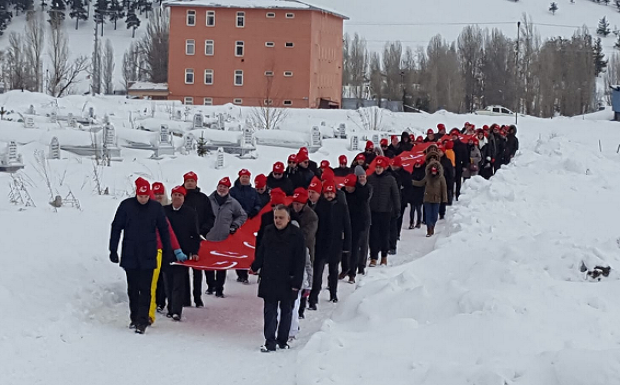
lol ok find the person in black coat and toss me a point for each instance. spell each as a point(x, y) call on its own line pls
point(342, 170)
point(405, 142)
point(462, 160)
point(245, 194)
point(386, 149)
point(277, 198)
point(303, 175)
point(200, 203)
point(260, 184)
point(184, 222)
point(403, 179)
point(280, 261)
point(279, 179)
point(369, 155)
point(357, 193)
point(333, 238)
point(448, 174)
point(512, 144)
point(139, 218)
point(417, 195)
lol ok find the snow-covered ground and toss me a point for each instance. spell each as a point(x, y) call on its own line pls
point(497, 297)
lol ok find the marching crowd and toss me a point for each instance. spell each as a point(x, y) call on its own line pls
point(348, 228)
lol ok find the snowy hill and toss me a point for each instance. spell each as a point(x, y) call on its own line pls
point(496, 298)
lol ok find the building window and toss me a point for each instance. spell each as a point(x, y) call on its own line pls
point(190, 47)
point(271, 15)
point(239, 48)
point(210, 18)
point(238, 101)
point(209, 47)
point(289, 44)
point(240, 19)
point(188, 100)
point(288, 102)
point(239, 77)
point(208, 101)
point(208, 77)
point(290, 15)
point(270, 44)
point(267, 102)
point(189, 76)
point(288, 74)
point(190, 18)
point(268, 73)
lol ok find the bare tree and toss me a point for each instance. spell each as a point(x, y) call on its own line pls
point(267, 116)
point(612, 75)
point(440, 77)
point(154, 47)
point(392, 57)
point(19, 74)
point(529, 47)
point(96, 64)
point(376, 77)
point(470, 51)
point(63, 74)
point(35, 39)
point(346, 74)
point(498, 70)
point(108, 68)
point(358, 65)
point(131, 60)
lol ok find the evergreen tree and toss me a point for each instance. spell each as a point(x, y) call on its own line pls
point(599, 57)
point(43, 4)
point(617, 45)
point(5, 15)
point(618, 5)
point(116, 11)
point(132, 20)
point(553, 7)
point(201, 146)
point(145, 6)
point(23, 5)
point(606, 2)
point(78, 11)
point(101, 9)
point(603, 27)
point(57, 12)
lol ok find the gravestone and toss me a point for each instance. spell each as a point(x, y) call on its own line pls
point(198, 121)
point(315, 137)
point(355, 143)
point(91, 112)
point(54, 149)
point(54, 117)
point(31, 110)
point(342, 131)
point(188, 143)
point(29, 122)
point(219, 163)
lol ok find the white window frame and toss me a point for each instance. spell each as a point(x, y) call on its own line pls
point(268, 102)
point(212, 44)
point(210, 14)
point(235, 78)
point(239, 44)
point(268, 73)
point(188, 101)
point(211, 72)
point(286, 45)
point(270, 44)
point(270, 15)
point(287, 103)
point(190, 43)
point(240, 16)
point(208, 101)
point(237, 101)
point(288, 74)
point(290, 15)
point(187, 72)
point(190, 12)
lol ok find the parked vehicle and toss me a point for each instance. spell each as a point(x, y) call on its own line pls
point(495, 111)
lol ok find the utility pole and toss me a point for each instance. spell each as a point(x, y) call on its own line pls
point(517, 75)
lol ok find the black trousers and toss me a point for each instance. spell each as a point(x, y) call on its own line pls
point(415, 210)
point(176, 278)
point(215, 280)
point(442, 206)
point(242, 274)
point(458, 178)
point(317, 279)
point(160, 294)
point(139, 291)
point(363, 251)
point(350, 264)
point(270, 312)
point(379, 234)
point(197, 285)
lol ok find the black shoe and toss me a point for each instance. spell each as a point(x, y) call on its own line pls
point(199, 303)
point(245, 281)
point(312, 307)
point(239, 279)
point(418, 225)
point(132, 325)
point(265, 349)
point(283, 346)
point(392, 251)
point(361, 271)
point(441, 217)
point(140, 329)
point(209, 292)
point(411, 227)
point(160, 309)
point(176, 317)
point(334, 300)
point(220, 295)
point(301, 316)
point(168, 315)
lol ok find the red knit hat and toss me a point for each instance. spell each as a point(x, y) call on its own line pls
point(328, 174)
point(441, 127)
point(419, 139)
point(476, 142)
point(300, 195)
point(360, 157)
point(329, 186)
point(397, 162)
point(260, 181)
point(158, 188)
point(383, 142)
point(370, 145)
point(179, 190)
point(143, 187)
point(278, 168)
point(224, 181)
point(278, 197)
point(342, 159)
point(412, 137)
point(245, 172)
point(324, 163)
point(350, 180)
point(430, 131)
point(449, 145)
point(455, 131)
point(315, 185)
point(419, 161)
point(301, 157)
point(382, 161)
point(190, 175)
point(485, 127)
point(304, 150)
point(292, 158)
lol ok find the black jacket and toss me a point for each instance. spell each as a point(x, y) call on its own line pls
point(264, 198)
point(265, 220)
point(139, 224)
point(512, 146)
point(281, 259)
point(403, 178)
point(418, 192)
point(247, 196)
point(461, 156)
point(343, 171)
point(369, 157)
point(385, 194)
point(284, 183)
point(200, 203)
point(333, 235)
point(359, 206)
point(405, 146)
point(448, 172)
point(184, 222)
point(301, 177)
point(389, 153)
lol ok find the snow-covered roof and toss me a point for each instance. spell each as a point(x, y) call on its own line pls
point(261, 4)
point(148, 86)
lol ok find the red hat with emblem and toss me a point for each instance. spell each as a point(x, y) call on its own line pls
point(342, 159)
point(370, 145)
point(397, 162)
point(179, 190)
point(278, 168)
point(143, 187)
point(419, 139)
point(158, 188)
point(278, 197)
point(383, 142)
point(360, 157)
point(190, 175)
point(225, 181)
point(350, 180)
point(245, 172)
point(430, 131)
point(329, 187)
point(324, 163)
point(301, 156)
point(300, 195)
point(260, 181)
point(382, 161)
point(292, 158)
point(328, 174)
point(315, 185)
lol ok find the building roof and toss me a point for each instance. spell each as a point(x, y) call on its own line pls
point(260, 4)
point(148, 86)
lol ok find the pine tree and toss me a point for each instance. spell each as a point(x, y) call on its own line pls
point(145, 6)
point(22, 6)
point(78, 11)
point(57, 12)
point(116, 11)
point(43, 5)
point(132, 20)
point(617, 45)
point(5, 15)
point(553, 7)
point(603, 27)
point(101, 8)
point(201, 146)
point(599, 57)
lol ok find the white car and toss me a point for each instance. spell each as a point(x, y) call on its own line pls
point(495, 111)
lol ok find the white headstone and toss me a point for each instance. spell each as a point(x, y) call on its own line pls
point(164, 134)
point(54, 149)
point(54, 116)
point(29, 122)
point(188, 143)
point(355, 143)
point(376, 139)
point(315, 137)
point(198, 121)
point(109, 135)
point(31, 110)
point(91, 112)
point(220, 158)
point(248, 137)
point(179, 114)
point(342, 130)
point(12, 152)
point(221, 122)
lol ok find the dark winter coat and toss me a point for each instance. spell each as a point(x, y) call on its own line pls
point(280, 260)
point(500, 148)
point(139, 224)
point(284, 183)
point(396, 150)
point(448, 172)
point(309, 224)
point(333, 236)
point(389, 153)
point(369, 157)
point(435, 189)
point(229, 214)
point(512, 146)
point(264, 198)
point(385, 194)
point(359, 206)
point(265, 220)
point(403, 178)
point(200, 203)
point(428, 140)
point(184, 222)
point(247, 196)
point(461, 156)
point(343, 171)
point(418, 174)
point(302, 177)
